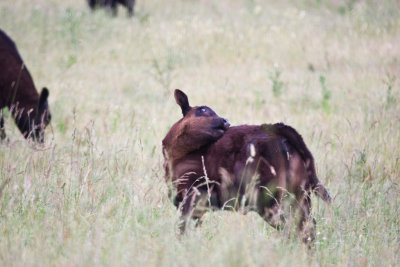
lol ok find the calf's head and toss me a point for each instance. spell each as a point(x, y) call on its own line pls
point(199, 126)
point(32, 123)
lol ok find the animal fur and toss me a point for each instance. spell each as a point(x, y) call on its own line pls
point(247, 167)
point(18, 93)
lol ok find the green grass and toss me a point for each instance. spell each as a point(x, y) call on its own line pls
point(94, 194)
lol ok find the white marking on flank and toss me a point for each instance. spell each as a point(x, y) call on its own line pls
point(252, 150)
point(273, 171)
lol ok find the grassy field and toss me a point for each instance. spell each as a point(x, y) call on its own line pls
point(94, 194)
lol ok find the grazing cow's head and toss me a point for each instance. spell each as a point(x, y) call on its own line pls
point(199, 126)
point(33, 123)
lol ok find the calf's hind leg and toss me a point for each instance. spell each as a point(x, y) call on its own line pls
point(299, 184)
point(294, 210)
point(276, 216)
point(306, 225)
point(269, 207)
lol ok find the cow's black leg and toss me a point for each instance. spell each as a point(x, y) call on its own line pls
point(130, 5)
point(2, 130)
point(114, 10)
point(92, 4)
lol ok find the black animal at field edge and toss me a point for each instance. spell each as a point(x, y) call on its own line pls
point(113, 5)
point(18, 93)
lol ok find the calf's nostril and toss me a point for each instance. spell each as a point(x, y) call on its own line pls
point(226, 123)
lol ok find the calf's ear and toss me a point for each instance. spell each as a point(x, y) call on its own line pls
point(43, 98)
point(182, 100)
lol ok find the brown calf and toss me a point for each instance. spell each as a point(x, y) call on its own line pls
point(17, 92)
point(247, 167)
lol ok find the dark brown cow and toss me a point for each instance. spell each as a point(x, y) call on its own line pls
point(247, 167)
point(17, 92)
point(129, 4)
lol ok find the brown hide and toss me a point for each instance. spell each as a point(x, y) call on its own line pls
point(245, 168)
point(18, 92)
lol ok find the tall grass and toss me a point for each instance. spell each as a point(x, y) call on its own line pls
point(94, 194)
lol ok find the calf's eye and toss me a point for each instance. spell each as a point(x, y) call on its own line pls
point(203, 110)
